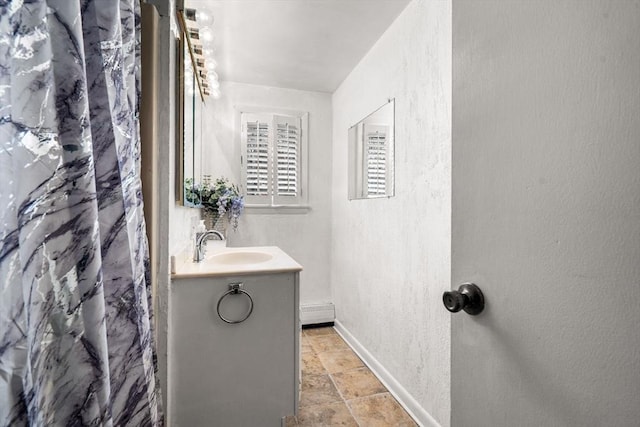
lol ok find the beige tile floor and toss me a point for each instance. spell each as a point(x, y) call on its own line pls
point(339, 390)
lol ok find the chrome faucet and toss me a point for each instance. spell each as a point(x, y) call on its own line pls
point(198, 254)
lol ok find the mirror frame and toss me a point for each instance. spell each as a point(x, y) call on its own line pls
point(179, 136)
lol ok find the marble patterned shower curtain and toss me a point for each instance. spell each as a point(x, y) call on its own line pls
point(75, 331)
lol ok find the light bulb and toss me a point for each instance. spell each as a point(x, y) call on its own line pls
point(203, 17)
point(211, 64)
point(206, 35)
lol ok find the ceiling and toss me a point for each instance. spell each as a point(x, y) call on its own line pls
point(300, 44)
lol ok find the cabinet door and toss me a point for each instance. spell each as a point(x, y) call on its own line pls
point(243, 374)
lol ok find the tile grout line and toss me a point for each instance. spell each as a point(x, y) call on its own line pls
point(326, 372)
point(344, 401)
point(364, 366)
point(368, 366)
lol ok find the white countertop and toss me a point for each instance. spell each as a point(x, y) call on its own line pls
point(182, 266)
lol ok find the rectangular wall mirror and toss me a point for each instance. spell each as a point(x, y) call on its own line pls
point(193, 87)
point(371, 154)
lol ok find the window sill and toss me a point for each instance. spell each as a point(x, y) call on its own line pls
point(277, 209)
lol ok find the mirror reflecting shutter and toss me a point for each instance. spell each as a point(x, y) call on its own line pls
point(376, 159)
point(371, 155)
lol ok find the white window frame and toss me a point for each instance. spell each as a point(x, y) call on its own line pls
point(272, 203)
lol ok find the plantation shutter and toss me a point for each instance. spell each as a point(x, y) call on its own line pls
point(287, 137)
point(376, 159)
point(257, 177)
point(274, 159)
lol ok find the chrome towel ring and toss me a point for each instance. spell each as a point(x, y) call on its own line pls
point(234, 289)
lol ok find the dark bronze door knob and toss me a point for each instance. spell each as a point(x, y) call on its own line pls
point(468, 297)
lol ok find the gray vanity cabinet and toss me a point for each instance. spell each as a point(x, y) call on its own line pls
point(244, 374)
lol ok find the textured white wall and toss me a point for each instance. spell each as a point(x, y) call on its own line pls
point(391, 257)
point(304, 236)
point(546, 212)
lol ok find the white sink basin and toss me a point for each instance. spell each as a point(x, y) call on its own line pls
point(238, 258)
point(221, 262)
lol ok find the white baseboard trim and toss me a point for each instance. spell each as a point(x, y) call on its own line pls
point(311, 314)
point(413, 408)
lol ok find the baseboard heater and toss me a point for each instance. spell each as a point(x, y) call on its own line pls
point(317, 314)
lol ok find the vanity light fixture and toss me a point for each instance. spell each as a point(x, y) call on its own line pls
point(201, 57)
